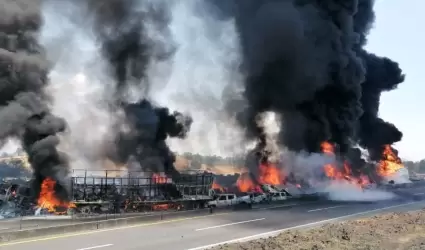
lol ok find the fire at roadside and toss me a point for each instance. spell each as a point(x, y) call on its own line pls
point(388, 171)
point(124, 192)
point(279, 42)
point(110, 192)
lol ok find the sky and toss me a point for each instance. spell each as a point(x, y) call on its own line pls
point(397, 35)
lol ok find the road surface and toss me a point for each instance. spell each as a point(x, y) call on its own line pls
point(207, 231)
point(29, 223)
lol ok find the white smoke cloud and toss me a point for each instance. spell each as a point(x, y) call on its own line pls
point(10, 147)
point(78, 83)
point(200, 77)
point(344, 191)
point(309, 168)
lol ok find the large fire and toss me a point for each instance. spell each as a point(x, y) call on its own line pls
point(269, 173)
point(390, 163)
point(48, 199)
point(245, 183)
point(345, 173)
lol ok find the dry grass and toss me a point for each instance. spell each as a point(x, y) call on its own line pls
point(395, 231)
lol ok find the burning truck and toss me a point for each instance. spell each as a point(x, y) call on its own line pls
point(113, 191)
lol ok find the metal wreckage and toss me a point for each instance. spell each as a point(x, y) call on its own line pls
point(109, 191)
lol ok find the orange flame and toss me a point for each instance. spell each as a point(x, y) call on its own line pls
point(334, 173)
point(217, 186)
point(161, 207)
point(390, 163)
point(158, 179)
point(327, 148)
point(48, 200)
point(246, 184)
point(270, 174)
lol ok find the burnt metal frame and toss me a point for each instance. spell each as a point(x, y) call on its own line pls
point(191, 184)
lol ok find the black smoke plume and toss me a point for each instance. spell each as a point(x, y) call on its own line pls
point(305, 60)
point(121, 27)
point(24, 112)
point(382, 74)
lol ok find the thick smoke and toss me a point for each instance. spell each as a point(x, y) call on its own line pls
point(382, 74)
point(122, 30)
point(305, 61)
point(24, 111)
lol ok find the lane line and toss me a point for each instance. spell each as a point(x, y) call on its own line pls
point(68, 235)
point(324, 208)
point(94, 247)
point(279, 206)
point(229, 224)
point(276, 232)
point(60, 236)
point(418, 193)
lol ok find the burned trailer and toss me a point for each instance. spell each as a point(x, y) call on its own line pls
point(118, 191)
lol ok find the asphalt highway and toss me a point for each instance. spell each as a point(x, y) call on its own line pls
point(30, 222)
point(416, 191)
point(208, 231)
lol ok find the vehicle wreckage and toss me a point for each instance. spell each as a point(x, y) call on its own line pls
point(113, 191)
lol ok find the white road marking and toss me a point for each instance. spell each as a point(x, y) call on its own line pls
point(418, 193)
point(276, 232)
point(230, 224)
point(87, 248)
point(324, 208)
point(279, 206)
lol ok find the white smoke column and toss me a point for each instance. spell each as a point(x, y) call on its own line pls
point(200, 77)
point(78, 85)
point(305, 166)
point(270, 121)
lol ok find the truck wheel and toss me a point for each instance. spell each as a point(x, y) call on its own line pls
point(85, 210)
